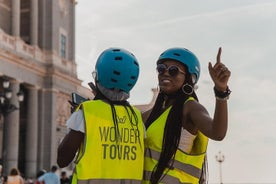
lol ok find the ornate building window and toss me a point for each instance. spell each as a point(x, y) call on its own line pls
point(63, 46)
point(63, 43)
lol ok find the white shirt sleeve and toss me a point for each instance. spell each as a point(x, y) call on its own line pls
point(76, 121)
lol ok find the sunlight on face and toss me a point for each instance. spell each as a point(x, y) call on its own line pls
point(171, 81)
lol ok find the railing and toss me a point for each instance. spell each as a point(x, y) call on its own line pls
point(17, 45)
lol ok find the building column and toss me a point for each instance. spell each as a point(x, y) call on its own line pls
point(15, 16)
point(11, 132)
point(31, 132)
point(47, 129)
point(34, 22)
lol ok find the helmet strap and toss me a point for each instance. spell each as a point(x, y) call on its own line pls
point(113, 94)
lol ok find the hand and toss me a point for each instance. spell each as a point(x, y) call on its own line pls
point(219, 73)
point(73, 106)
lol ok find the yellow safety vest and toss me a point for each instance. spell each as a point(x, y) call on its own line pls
point(187, 168)
point(102, 158)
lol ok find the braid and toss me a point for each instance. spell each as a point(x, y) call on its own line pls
point(132, 116)
point(172, 131)
point(171, 137)
point(156, 110)
point(136, 120)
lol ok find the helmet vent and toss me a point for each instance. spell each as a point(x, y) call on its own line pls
point(136, 63)
point(176, 54)
point(116, 72)
point(114, 80)
point(117, 69)
point(118, 58)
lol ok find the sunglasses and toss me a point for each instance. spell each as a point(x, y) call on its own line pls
point(172, 70)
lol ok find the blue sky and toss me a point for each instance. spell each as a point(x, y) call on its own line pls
point(246, 31)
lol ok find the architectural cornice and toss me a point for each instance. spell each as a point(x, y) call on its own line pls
point(31, 59)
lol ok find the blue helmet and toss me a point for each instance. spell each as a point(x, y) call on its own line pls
point(185, 57)
point(117, 68)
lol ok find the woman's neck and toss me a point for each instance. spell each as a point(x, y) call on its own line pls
point(168, 101)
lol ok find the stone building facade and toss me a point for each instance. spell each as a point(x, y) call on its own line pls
point(37, 56)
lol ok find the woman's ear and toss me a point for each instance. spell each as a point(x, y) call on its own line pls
point(190, 79)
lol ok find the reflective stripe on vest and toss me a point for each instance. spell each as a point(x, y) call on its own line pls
point(166, 179)
point(108, 181)
point(186, 168)
point(189, 169)
point(102, 158)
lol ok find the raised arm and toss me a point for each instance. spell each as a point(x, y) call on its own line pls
point(216, 127)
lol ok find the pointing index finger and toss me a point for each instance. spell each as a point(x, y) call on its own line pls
point(218, 55)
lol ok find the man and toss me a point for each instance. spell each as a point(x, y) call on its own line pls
point(50, 177)
point(63, 178)
point(107, 132)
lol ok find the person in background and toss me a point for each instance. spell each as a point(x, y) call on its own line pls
point(38, 174)
point(63, 178)
point(1, 175)
point(50, 177)
point(14, 177)
point(178, 126)
point(107, 132)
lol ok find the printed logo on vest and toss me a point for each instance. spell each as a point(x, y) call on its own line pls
point(121, 120)
point(124, 147)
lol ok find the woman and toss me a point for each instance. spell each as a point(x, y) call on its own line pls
point(178, 126)
point(15, 177)
point(107, 132)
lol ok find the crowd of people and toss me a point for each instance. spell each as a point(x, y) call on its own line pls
point(54, 176)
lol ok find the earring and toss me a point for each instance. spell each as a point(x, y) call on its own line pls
point(187, 89)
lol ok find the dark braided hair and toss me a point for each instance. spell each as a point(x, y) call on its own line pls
point(172, 131)
point(132, 116)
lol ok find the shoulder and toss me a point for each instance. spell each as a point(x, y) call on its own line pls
point(76, 121)
point(192, 112)
point(41, 178)
point(89, 104)
point(56, 176)
point(191, 106)
point(22, 179)
point(145, 114)
point(135, 109)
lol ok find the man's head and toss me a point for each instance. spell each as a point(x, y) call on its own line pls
point(117, 69)
point(54, 168)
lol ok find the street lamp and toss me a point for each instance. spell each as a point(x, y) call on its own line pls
point(220, 158)
point(5, 96)
point(6, 107)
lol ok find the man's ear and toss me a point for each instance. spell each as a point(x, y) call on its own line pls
point(193, 78)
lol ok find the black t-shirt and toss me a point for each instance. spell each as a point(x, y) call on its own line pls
point(64, 181)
